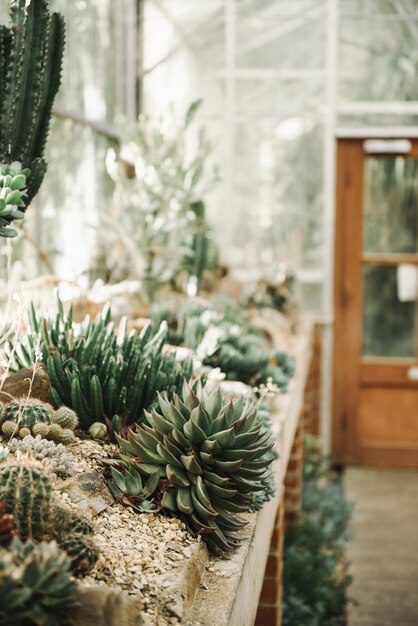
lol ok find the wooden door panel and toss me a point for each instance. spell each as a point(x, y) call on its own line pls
point(386, 415)
point(375, 398)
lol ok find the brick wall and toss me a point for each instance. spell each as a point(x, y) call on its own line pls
point(270, 605)
point(312, 408)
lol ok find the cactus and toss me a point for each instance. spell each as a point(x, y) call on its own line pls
point(214, 456)
point(9, 428)
point(27, 412)
point(40, 429)
point(30, 74)
point(35, 585)
point(100, 373)
point(98, 430)
point(58, 459)
point(65, 417)
point(82, 553)
point(26, 494)
point(27, 416)
point(74, 537)
point(67, 437)
point(7, 527)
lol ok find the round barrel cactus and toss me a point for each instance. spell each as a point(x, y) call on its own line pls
point(26, 494)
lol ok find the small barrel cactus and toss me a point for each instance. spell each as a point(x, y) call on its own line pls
point(28, 416)
point(66, 418)
point(40, 429)
point(35, 584)
point(27, 412)
point(26, 494)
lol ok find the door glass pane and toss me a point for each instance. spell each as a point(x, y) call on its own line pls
point(390, 205)
point(388, 324)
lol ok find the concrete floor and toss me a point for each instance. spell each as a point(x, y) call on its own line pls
point(384, 548)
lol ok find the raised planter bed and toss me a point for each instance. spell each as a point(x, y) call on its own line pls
point(197, 590)
point(151, 571)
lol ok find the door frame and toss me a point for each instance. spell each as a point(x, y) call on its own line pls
point(347, 336)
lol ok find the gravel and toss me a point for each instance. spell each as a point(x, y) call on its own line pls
point(140, 554)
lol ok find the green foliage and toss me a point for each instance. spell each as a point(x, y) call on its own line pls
point(214, 456)
point(30, 74)
point(26, 493)
point(158, 213)
point(202, 252)
point(100, 373)
point(315, 572)
point(36, 588)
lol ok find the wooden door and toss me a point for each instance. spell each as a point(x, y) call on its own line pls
point(375, 404)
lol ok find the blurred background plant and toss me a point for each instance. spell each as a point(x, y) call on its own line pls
point(155, 230)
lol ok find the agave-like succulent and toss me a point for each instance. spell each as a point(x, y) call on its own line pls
point(130, 489)
point(214, 455)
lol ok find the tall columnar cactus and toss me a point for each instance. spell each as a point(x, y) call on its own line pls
point(30, 74)
point(35, 585)
point(26, 494)
point(214, 455)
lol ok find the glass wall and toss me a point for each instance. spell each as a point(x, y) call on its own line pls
point(278, 79)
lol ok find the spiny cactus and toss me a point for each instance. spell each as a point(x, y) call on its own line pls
point(26, 494)
point(214, 455)
point(26, 412)
point(7, 526)
point(58, 459)
point(81, 551)
point(74, 536)
point(30, 74)
point(35, 585)
point(66, 418)
point(27, 416)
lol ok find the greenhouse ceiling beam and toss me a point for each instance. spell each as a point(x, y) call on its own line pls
point(377, 132)
point(281, 30)
point(251, 73)
point(394, 107)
